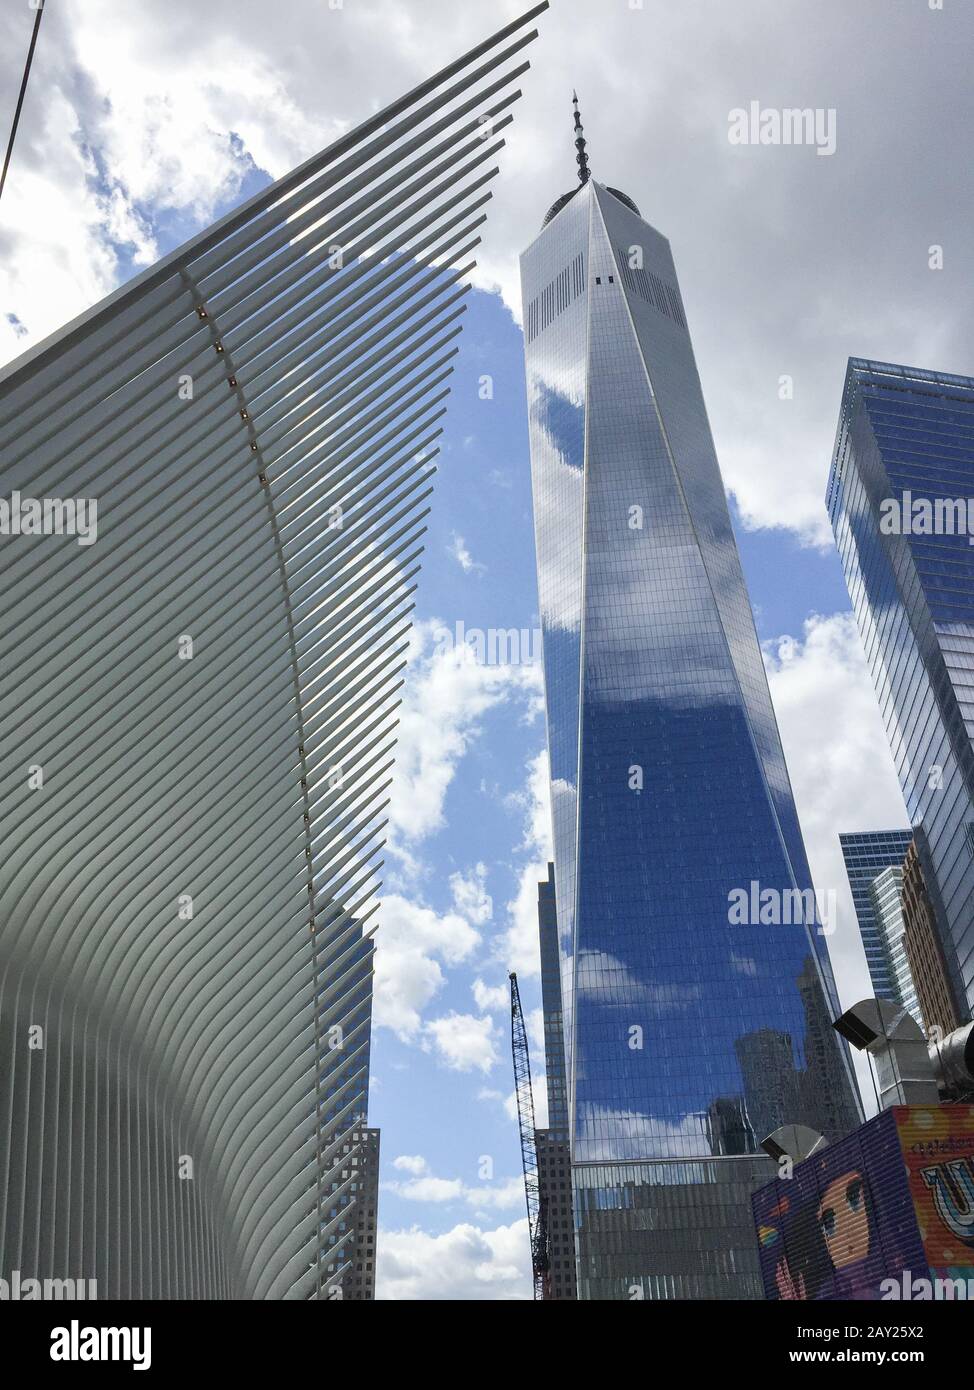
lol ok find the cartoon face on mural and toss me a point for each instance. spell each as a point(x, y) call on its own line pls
point(844, 1220)
point(821, 1244)
point(895, 1196)
point(802, 1267)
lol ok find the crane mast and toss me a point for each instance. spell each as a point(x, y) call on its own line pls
point(537, 1215)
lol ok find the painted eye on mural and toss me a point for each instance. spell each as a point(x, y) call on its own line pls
point(853, 1195)
point(827, 1221)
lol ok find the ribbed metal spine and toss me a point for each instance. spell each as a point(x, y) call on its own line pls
point(199, 708)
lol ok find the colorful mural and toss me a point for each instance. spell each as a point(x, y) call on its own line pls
point(896, 1196)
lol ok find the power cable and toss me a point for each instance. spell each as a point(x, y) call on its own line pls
point(23, 89)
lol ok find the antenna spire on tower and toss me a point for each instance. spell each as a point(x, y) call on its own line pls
point(581, 158)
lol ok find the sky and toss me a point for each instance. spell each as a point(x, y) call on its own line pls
point(145, 121)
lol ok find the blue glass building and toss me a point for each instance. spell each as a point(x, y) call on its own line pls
point(866, 854)
point(688, 1035)
point(906, 437)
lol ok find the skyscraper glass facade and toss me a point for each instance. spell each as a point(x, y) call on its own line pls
point(904, 456)
point(690, 1030)
point(886, 893)
point(867, 854)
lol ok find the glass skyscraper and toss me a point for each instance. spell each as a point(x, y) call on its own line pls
point(866, 854)
point(902, 472)
point(689, 1033)
point(886, 895)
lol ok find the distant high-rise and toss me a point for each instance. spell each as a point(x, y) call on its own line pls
point(921, 942)
point(867, 854)
point(348, 1218)
point(672, 808)
point(360, 1234)
point(554, 1029)
point(554, 1150)
point(198, 697)
point(902, 473)
point(886, 897)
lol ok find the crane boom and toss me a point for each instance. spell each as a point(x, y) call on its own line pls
point(537, 1215)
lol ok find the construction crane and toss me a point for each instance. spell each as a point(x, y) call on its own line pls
point(537, 1202)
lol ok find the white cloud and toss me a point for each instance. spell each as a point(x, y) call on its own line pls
point(491, 998)
point(411, 1163)
point(182, 101)
point(503, 1195)
point(534, 1025)
point(57, 254)
point(428, 1189)
point(174, 89)
point(518, 946)
point(448, 692)
point(462, 1041)
point(534, 800)
point(444, 704)
point(508, 1101)
point(470, 895)
point(464, 1263)
point(132, 113)
point(539, 1094)
point(840, 764)
point(611, 981)
point(617, 1134)
point(460, 552)
point(411, 943)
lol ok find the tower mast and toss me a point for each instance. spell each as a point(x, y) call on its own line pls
point(581, 158)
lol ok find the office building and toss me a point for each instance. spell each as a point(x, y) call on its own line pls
point(555, 1191)
point(867, 854)
point(554, 1034)
point(921, 943)
point(349, 1220)
point(886, 896)
point(198, 703)
point(358, 1252)
point(685, 910)
point(554, 1150)
point(902, 473)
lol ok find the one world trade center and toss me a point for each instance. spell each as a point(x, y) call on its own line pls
point(696, 987)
